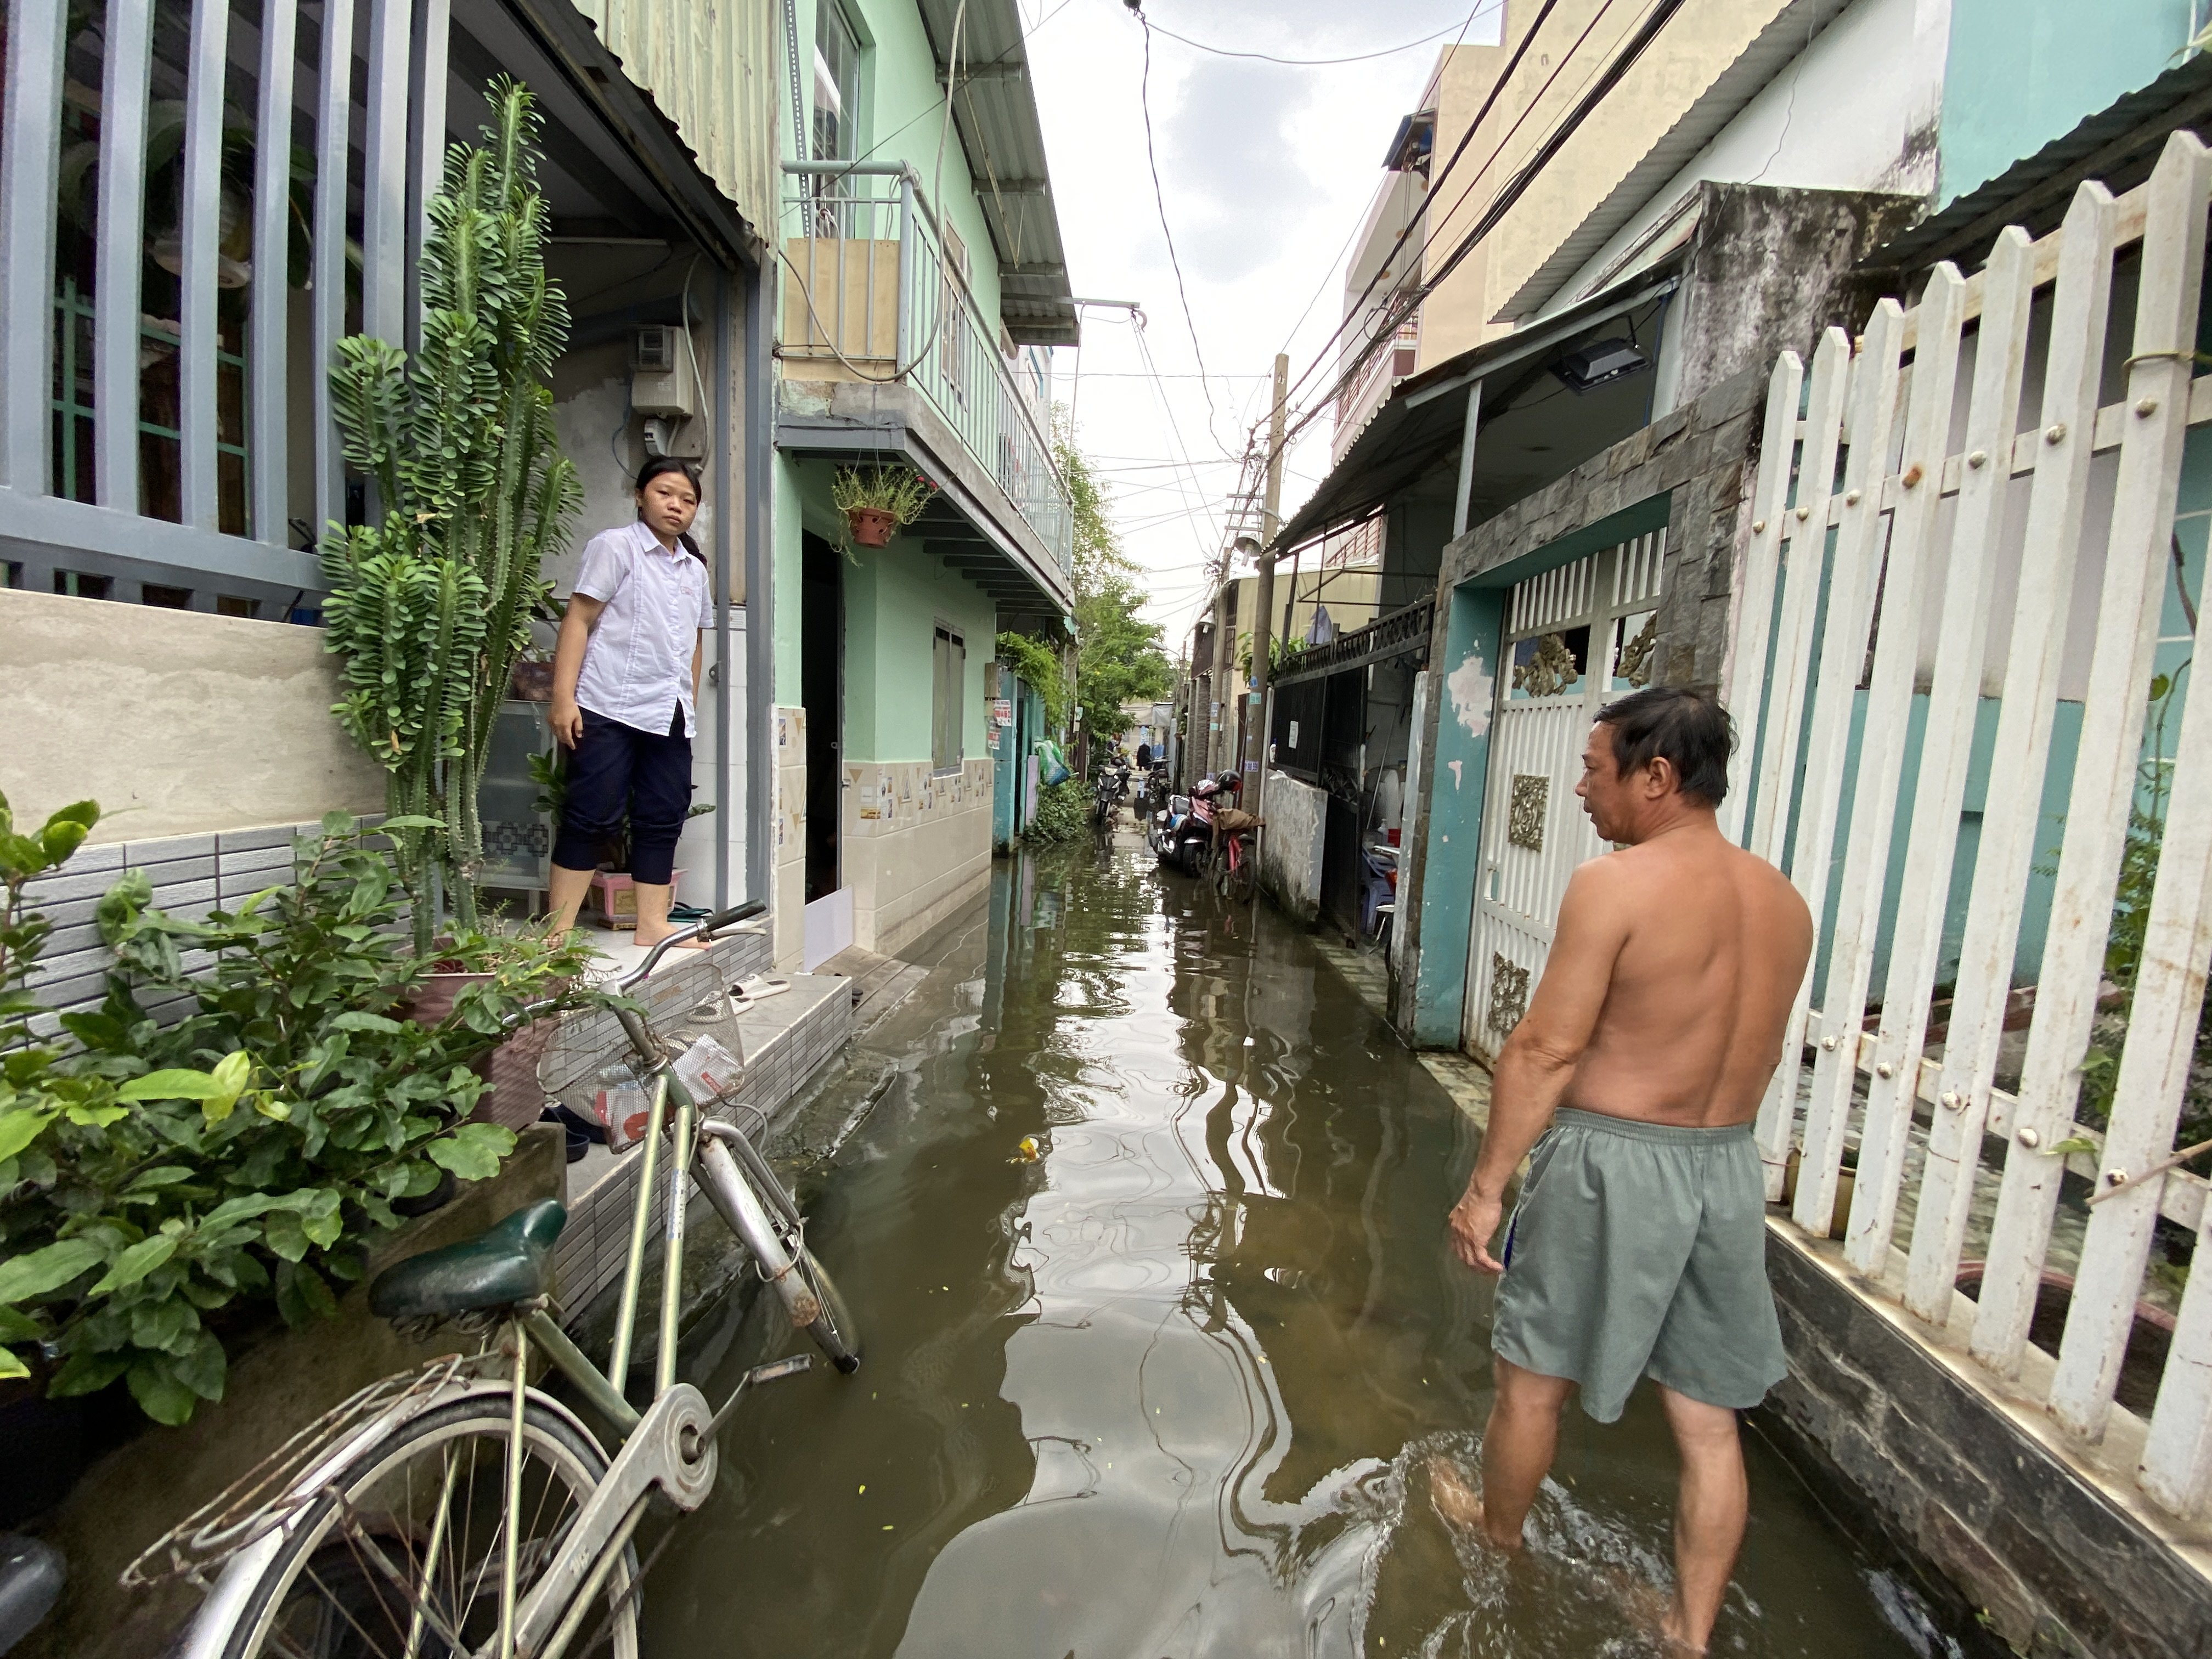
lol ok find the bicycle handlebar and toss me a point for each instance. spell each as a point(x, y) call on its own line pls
point(707, 929)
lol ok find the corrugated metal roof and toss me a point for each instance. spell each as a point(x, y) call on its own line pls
point(711, 70)
point(995, 109)
point(2118, 146)
point(1422, 420)
point(1787, 34)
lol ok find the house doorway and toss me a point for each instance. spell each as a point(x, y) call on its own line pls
point(1576, 637)
point(821, 689)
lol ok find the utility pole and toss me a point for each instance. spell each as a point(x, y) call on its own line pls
point(1222, 683)
point(1271, 520)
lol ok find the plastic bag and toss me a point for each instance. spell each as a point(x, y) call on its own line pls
point(1052, 764)
point(622, 1106)
point(709, 1071)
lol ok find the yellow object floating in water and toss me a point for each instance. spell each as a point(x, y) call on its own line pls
point(1026, 1153)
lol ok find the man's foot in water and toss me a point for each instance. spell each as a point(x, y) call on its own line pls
point(1459, 1504)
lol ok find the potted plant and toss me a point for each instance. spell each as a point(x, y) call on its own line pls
point(879, 500)
point(173, 1183)
point(613, 892)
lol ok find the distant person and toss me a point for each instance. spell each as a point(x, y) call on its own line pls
point(625, 685)
point(1144, 758)
point(1638, 1246)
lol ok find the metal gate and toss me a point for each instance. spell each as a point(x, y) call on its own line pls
point(1575, 638)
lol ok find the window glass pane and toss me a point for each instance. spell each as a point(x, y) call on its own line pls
point(836, 85)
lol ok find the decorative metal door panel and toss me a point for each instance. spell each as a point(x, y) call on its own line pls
point(1576, 637)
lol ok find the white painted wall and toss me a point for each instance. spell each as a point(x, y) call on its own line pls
point(1856, 110)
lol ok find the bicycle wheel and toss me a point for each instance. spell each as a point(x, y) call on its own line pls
point(835, 1331)
point(404, 1553)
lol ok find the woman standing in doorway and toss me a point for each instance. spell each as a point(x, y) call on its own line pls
point(625, 685)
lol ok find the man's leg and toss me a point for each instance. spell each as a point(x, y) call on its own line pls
point(1709, 1516)
point(1516, 1454)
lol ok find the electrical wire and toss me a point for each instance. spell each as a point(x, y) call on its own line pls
point(1436, 184)
point(1480, 11)
point(1160, 201)
point(1511, 191)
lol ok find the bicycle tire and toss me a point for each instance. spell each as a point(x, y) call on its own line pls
point(345, 1584)
point(835, 1331)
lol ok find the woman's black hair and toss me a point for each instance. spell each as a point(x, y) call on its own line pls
point(660, 464)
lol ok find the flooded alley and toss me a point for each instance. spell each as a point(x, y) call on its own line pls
point(1145, 1239)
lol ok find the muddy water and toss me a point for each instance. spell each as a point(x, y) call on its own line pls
point(1169, 1389)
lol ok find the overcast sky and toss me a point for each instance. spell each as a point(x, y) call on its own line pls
point(1267, 169)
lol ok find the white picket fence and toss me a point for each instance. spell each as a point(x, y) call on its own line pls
point(1925, 554)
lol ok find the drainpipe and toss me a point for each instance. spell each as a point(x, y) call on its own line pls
point(760, 589)
point(725, 528)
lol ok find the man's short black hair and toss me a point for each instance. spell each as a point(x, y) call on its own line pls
point(1688, 726)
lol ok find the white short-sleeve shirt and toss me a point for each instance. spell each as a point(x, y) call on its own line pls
point(637, 664)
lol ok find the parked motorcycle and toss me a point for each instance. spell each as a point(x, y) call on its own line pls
point(1187, 841)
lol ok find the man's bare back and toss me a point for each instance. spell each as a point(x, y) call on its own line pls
point(1714, 945)
point(1640, 1064)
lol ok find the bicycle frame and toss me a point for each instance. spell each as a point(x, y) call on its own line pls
point(670, 1445)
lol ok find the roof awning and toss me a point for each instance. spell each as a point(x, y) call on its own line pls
point(1419, 427)
point(2119, 146)
point(994, 110)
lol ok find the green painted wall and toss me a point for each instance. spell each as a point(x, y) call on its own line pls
point(894, 599)
point(2020, 73)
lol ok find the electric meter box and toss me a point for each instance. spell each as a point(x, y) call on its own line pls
point(660, 379)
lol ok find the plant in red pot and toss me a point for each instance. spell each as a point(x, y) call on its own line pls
point(878, 501)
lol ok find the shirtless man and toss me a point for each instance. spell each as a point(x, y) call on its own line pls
point(1638, 1245)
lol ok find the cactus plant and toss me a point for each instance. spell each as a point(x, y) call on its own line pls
point(431, 601)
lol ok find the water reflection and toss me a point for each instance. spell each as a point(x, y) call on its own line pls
point(1169, 1389)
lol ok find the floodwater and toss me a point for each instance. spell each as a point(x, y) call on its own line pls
point(1169, 1390)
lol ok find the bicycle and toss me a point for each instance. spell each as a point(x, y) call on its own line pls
point(456, 1510)
point(1228, 868)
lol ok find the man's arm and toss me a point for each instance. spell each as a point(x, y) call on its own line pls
point(1538, 1061)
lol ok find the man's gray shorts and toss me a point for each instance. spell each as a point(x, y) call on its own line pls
point(1639, 1249)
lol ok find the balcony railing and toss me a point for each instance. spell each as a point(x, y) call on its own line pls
point(875, 294)
point(1381, 371)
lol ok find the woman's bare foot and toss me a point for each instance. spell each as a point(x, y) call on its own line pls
point(648, 940)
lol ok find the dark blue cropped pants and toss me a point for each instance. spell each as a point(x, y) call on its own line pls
point(618, 770)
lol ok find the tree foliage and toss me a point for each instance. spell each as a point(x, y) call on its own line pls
point(1120, 657)
point(430, 605)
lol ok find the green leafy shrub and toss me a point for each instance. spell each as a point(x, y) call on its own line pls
point(1063, 815)
point(1038, 665)
point(163, 1186)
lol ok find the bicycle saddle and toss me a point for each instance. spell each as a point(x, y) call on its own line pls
point(508, 1263)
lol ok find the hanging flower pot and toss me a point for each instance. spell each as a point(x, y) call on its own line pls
point(879, 500)
point(872, 527)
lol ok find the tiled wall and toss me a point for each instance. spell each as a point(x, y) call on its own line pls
point(190, 875)
point(917, 846)
point(790, 897)
point(783, 1041)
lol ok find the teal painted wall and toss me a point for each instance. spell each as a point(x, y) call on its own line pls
point(1452, 827)
point(1459, 774)
point(2020, 73)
